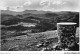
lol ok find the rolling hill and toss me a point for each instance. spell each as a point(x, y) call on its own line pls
point(14, 36)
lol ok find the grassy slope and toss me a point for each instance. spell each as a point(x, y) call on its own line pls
point(29, 42)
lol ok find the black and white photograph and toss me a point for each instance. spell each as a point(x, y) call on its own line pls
point(39, 25)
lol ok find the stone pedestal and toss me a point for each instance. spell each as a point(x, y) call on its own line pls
point(66, 34)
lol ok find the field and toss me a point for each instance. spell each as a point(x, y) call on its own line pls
point(33, 31)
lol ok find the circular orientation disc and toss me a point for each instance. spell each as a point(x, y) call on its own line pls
point(66, 23)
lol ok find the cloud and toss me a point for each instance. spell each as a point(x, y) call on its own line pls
point(27, 3)
point(19, 7)
point(45, 3)
point(50, 5)
point(16, 8)
point(58, 2)
point(2, 6)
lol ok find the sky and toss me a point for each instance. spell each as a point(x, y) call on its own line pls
point(46, 5)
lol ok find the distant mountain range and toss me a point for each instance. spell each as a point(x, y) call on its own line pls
point(30, 11)
point(23, 12)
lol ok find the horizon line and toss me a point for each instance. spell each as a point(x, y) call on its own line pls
point(44, 10)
